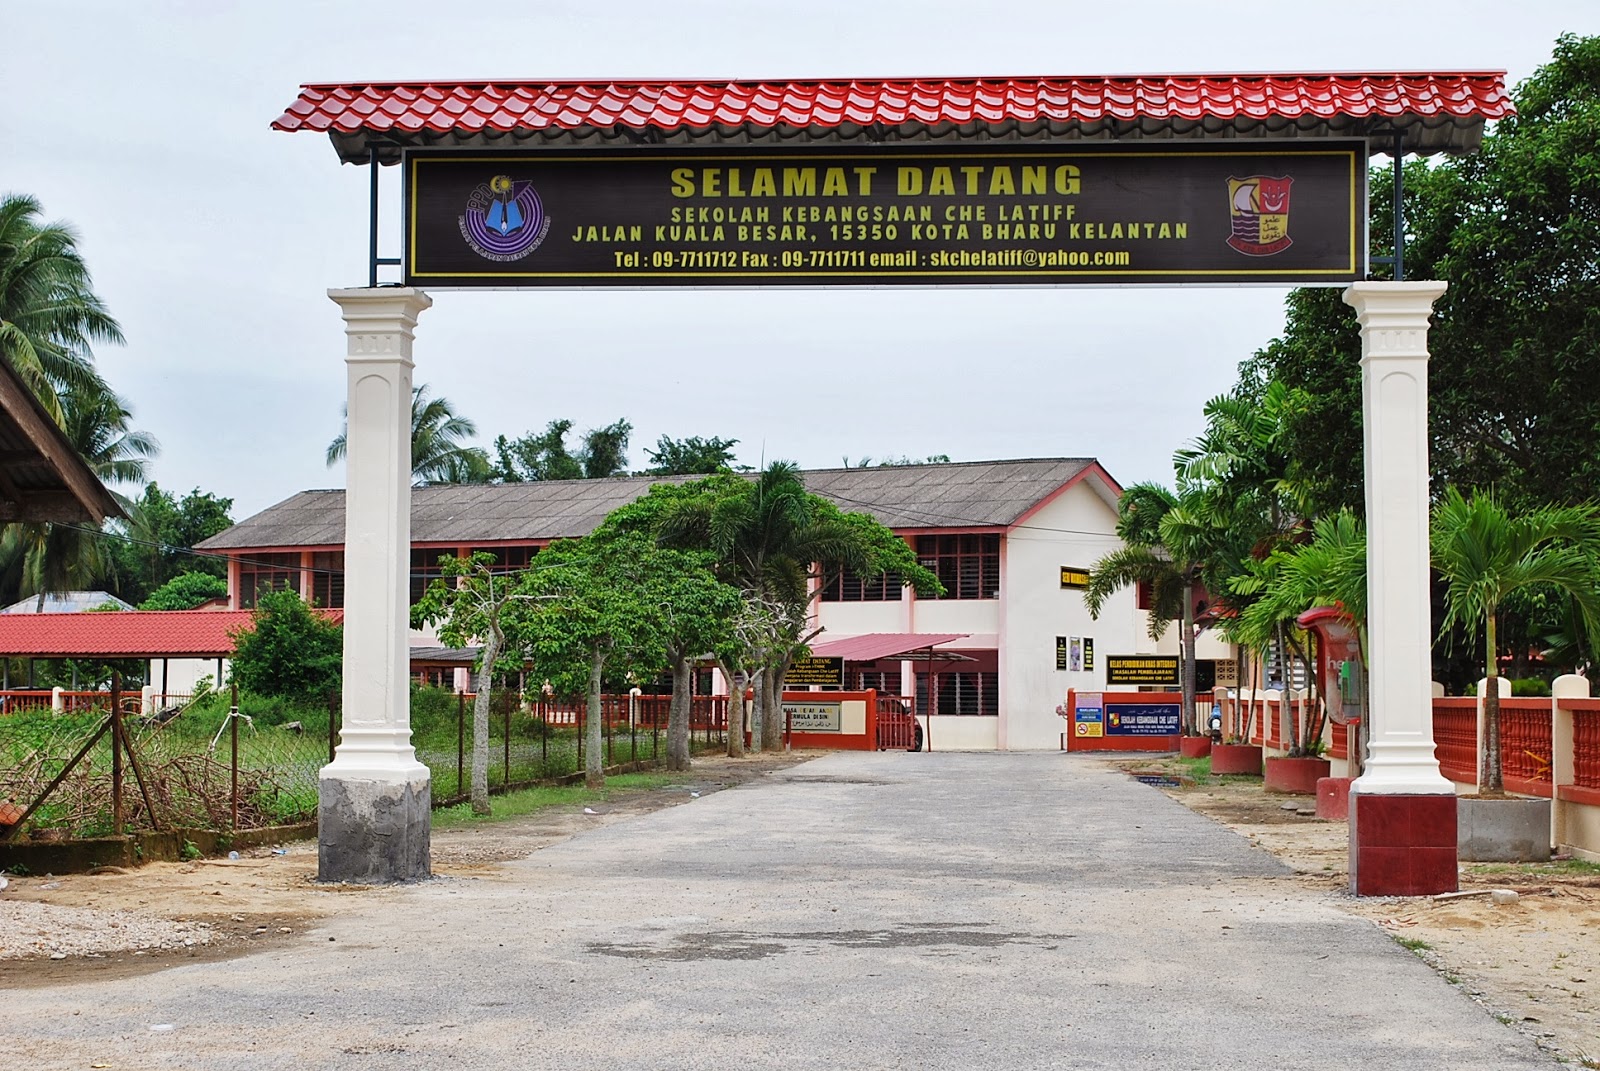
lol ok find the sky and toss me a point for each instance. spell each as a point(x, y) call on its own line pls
point(214, 239)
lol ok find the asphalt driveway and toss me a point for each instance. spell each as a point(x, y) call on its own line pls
point(962, 911)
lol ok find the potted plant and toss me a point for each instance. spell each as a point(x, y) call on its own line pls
point(1484, 553)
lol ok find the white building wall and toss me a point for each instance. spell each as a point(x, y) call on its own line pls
point(1077, 528)
point(860, 618)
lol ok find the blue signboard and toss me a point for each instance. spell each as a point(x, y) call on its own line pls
point(1143, 719)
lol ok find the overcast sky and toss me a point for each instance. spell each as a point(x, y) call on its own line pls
point(214, 239)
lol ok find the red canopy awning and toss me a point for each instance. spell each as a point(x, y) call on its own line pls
point(876, 645)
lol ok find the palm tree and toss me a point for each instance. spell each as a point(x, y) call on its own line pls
point(1483, 553)
point(49, 313)
point(437, 451)
point(1166, 538)
point(66, 557)
point(768, 537)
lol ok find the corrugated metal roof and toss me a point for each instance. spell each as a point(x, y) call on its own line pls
point(976, 494)
point(876, 645)
point(128, 634)
point(1436, 111)
point(66, 602)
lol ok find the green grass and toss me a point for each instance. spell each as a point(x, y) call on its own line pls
point(1412, 944)
point(529, 800)
point(1560, 867)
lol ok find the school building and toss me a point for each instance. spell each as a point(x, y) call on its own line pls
point(991, 659)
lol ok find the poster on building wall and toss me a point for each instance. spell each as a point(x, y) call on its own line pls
point(1075, 658)
point(812, 717)
point(1088, 653)
point(1088, 715)
point(1117, 212)
point(1061, 653)
point(1142, 719)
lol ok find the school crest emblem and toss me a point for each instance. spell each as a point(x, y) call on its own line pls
point(504, 219)
point(1259, 208)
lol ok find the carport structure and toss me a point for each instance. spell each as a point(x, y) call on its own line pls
point(553, 184)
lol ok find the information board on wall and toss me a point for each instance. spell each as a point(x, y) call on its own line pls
point(1285, 213)
point(812, 717)
point(1088, 715)
point(1143, 719)
point(826, 672)
point(1142, 670)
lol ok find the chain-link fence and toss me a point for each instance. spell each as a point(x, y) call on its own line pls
point(222, 762)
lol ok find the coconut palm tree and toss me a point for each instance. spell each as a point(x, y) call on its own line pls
point(66, 557)
point(1167, 538)
point(437, 451)
point(1484, 553)
point(49, 313)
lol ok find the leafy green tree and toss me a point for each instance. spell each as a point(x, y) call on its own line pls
point(1484, 553)
point(769, 537)
point(162, 528)
point(545, 456)
point(697, 611)
point(50, 558)
point(690, 457)
point(289, 650)
point(49, 313)
point(439, 453)
point(593, 607)
point(471, 602)
point(186, 591)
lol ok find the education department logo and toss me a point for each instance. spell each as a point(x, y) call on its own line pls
point(1259, 206)
point(504, 219)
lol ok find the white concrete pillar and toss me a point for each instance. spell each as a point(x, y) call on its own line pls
point(374, 795)
point(1394, 404)
point(1563, 755)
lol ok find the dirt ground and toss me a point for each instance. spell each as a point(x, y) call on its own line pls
point(1534, 964)
point(227, 908)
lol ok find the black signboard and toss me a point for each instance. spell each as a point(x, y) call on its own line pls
point(828, 672)
point(1074, 577)
point(1088, 652)
point(1061, 652)
point(1282, 213)
point(1141, 669)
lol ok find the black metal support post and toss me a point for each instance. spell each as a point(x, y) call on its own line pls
point(372, 235)
point(1399, 208)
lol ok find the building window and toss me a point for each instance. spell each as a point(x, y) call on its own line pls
point(962, 693)
point(327, 579)
point(884, 682)
point(508, 559)
point(842, 585)
point(425, 568)
point(261, 573)
point(967, 565)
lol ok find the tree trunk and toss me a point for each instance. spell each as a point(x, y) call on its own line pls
point(1187, 647)
point(1491, 778)
point(678, 715)
point(479, 792)
point(758, 681)
point(595, 761)
point(772, 713)
point(735, 679)
point(1296, 748)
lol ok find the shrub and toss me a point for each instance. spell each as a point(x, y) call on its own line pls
point(1530, 687)
point(290, 651)
point(186, 591)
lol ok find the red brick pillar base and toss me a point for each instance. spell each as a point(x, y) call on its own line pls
point(1402, 845)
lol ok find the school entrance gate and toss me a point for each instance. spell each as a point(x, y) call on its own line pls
point(1162, 180)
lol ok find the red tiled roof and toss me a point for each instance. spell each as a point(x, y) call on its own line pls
point(1438, 112)
point(876, 645)
point(127, 634)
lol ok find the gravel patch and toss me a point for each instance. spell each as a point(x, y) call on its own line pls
point(32, 929)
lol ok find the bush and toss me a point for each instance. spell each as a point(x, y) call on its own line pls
point(290, 651)
point(1530, 687)
point(186, 591)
